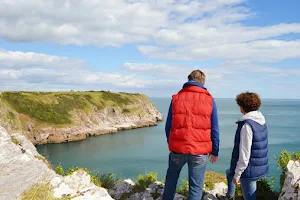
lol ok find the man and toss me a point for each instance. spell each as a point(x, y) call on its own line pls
point(192, 132)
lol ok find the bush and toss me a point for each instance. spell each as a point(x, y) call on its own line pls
point(184, 188)
point(144, 181)
point(108, 180)
point(60, 170)
point(265, 190)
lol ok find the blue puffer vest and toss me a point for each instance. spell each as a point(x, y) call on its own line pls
point(258, 166)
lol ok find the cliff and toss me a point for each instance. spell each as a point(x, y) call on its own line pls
point(45, 117)
point(291, 186)
point(25, 175)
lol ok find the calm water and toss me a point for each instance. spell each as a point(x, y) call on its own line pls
point(130, 153)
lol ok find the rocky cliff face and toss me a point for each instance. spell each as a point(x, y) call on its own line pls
point(291, 187)
point(25, 174)
point(21, 166)
point(64, 117)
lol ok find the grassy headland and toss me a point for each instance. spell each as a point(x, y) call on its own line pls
point(55, 107)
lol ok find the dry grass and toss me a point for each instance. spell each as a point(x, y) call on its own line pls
point(45, 161)
point(41, 192)
point(211, 178)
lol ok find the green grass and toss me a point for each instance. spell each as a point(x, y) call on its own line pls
point(55, 108)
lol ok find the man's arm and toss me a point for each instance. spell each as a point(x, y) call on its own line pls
point(245, 150)
point(169, 122)
point(215, 135)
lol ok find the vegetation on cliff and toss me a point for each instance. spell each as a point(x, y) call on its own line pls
point(55, 107)
point(265, 189)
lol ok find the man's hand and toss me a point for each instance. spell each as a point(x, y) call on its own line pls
point(236, 182)
point(213, 158)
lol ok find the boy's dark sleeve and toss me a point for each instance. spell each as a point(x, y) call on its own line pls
point(215, 135)
point(169, 122)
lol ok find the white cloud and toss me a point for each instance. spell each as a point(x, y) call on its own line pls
point(261, 50)
point(187, 30)
point(17, 59)
point(33, 71)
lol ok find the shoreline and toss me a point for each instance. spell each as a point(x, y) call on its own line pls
point(106, 130)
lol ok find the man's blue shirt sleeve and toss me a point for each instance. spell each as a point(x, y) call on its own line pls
point(169, 122)
point(215, 135)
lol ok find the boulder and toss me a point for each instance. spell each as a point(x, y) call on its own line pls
point(21, 166)
point(78, 184)
point(119, 189)
point(291, 187)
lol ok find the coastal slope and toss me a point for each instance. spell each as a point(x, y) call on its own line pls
point(56, 117)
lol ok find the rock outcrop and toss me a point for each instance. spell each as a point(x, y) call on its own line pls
point(79, 186)
point(92, 118)
point(21, 166)
point(291, 187)
point(154, 191)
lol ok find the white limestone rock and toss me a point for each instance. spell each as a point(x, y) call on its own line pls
point(218, 188)
point(78, 184)
point(291, 187)
point(21, 166)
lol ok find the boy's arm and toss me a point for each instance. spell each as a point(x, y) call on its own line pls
point(215, 135)
point(245, 150)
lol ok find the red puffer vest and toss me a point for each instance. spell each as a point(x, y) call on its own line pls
point(191, 121)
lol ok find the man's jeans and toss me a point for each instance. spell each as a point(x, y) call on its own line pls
point(248, 187)
point(196, 167)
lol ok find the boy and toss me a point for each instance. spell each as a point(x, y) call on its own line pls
point(249, 160)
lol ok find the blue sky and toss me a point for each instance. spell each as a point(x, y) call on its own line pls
point(150, 47)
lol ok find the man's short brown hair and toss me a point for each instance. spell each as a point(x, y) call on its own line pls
point(249, 101)
point(197, 76)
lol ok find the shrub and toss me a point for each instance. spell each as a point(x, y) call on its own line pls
point(265, 190)
point(144, 181)
point(108, 180)
point(60, 170)
point(184, 188)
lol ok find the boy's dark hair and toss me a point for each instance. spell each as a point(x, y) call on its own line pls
point(197, 76)
point(249, 101)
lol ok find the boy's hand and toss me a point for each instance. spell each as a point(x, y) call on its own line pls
point(213, 158)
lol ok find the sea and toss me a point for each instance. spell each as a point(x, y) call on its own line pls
point(129, 153)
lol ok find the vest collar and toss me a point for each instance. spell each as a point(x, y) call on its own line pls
point(193, 88)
